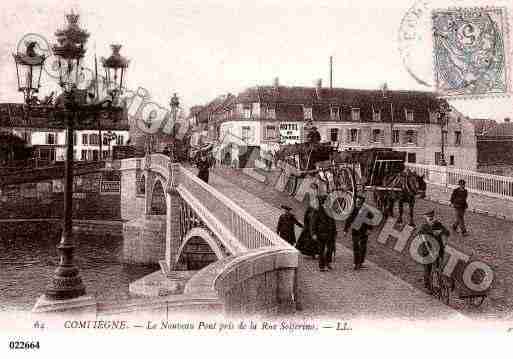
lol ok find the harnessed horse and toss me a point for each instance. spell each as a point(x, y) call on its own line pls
point(409, 185)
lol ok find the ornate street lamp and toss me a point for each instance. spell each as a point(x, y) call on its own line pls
point(66, 282)
point(115, 67)
point(443, 117)
point(29, 66)
point(174, 103)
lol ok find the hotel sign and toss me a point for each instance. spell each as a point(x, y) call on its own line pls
point(290, 132)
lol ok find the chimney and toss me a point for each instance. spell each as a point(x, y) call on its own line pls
point(276, 81)
point(507, 119)
point(318, 87)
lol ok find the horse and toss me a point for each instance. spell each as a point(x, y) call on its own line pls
point(410, 185)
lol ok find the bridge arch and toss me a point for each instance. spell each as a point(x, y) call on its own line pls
point(198, 249)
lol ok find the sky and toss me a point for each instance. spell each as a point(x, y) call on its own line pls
point(201, 49)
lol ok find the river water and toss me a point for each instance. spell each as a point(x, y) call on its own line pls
point(28, 260)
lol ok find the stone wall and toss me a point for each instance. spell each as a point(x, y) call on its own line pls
point(46, 200)
point(144, 240)
point(260, 281)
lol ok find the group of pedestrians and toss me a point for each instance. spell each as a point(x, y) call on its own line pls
point(319, 233)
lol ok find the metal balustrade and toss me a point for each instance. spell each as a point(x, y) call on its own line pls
point(483, 183)
point(238, 229)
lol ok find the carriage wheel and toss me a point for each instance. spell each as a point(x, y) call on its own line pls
point(344, 180)
point(291, 185)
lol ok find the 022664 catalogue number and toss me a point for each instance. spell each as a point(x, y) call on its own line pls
point(23, 345)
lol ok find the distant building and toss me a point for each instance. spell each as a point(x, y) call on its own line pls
point(47, 136)
point(407, 121)
point(495, 149)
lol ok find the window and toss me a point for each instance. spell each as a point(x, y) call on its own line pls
point(409, 115)
point(246, 132)
point(270, 132)
point(120, 140)
point(83, 155)
point(105, 154)
point(246, 111)
point(334, 135)
point(355, 115)
point(353, 135)
point(376, 116)
point(438, 158)
point(335, 115)
point(271, 113)
point(105, 141)
point(412, 157)
point(395, 136)
point(74, 138)
point(457, 138)
point(51, 139)
point(84, 139)
point(376, 135)
point(94, 139)
point(307, 113)
point(411, 137)
point(451, 160)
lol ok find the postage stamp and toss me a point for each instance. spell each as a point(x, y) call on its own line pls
point(470, 51)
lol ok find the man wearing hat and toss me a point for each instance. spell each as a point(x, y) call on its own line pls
point(359, 236)
point(324, 230)
point(314, 136)
point(286, 224)
point(434, 230)
point(459, 202)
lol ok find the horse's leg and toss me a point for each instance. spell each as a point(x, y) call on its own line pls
point(401, 204)
point(411, 206)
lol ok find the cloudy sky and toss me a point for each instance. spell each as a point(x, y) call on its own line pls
point(204, 48)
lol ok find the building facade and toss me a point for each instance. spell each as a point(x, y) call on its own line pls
point(264, 116)
point(47, 137)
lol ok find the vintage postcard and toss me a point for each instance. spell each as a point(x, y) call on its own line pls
point(178, 172)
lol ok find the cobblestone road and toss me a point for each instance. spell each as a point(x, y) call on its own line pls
point(490, 240)
point(371, 293)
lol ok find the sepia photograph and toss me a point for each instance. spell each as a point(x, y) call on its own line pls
point(337, 170)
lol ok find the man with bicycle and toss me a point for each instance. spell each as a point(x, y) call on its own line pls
point(433, 247)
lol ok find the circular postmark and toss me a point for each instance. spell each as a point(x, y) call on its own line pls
point(412, 37)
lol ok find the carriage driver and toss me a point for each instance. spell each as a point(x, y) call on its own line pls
point(433, 229)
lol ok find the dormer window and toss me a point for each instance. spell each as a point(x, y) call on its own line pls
point(335, 113)
point(409, 115)
point(355, 115)
point(376, 115)
point(307, 113)
point(246, 111)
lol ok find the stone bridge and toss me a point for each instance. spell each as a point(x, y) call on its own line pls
point(189, 227)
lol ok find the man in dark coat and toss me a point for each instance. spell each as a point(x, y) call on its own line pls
point(459, 202)
point(286, 224)
point(203, 165)
point(324, 230)
point(359, 236)
point(433, 230)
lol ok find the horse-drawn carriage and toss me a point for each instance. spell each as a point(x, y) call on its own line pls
point(377, 170)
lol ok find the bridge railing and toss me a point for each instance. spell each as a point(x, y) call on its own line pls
point(245, 228)
point(476, 182)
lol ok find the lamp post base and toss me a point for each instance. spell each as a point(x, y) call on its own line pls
point(86, 305)
point(66, 284)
